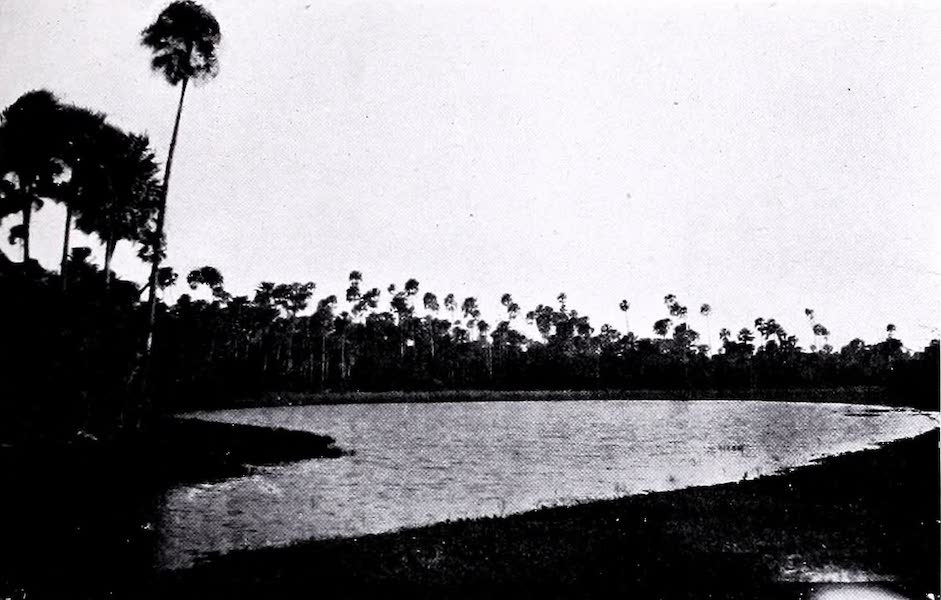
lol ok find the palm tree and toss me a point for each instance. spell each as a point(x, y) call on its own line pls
point(183, 41)
point(724, 335)
point(450, 305)
point(209, 277)
point(352, 293)
point(82, 157)
point(117, 191)
point(625, 306)
point(323, 322)
point(813, 325)
point(821, 331)
point(430, 301)
point(512, 308)
point(30, 141)
point(471, 311)
point(706, 310)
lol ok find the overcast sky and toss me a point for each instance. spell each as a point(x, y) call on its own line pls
point(762, 157)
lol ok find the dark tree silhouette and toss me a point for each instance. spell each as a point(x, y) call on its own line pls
point(183, 40)
point(122, 191)
point(30, 146)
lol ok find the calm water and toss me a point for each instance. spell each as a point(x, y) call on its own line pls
point(421, 463)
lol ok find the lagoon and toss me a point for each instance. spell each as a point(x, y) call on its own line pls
point(420, 463)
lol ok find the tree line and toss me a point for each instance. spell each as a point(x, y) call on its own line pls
point(81, 352)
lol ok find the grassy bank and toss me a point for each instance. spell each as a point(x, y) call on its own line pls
point(851, 395)
point(874, 512)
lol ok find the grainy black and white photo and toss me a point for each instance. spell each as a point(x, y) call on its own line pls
point(470, 299)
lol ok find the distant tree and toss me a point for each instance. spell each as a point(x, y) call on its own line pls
point(706, 311)
point(292, 298)
point(662, 327)
point(183, 40)
point(367, 302)
point(809, 312)
point(890, 330)
point(821, 331)
point(264, 294)
point(322, 323)
point(352, 292)
point(210, 277)
point(471, 311)
point(625, 306)
point(430, 302)
point(512, 308)
point(683, 338)
point(676, 309)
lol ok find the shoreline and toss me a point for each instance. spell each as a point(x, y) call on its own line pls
point(873, 395)
point(871, 514)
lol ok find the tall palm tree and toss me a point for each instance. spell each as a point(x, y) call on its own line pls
point(183, 40)
point(706, 310)
point(625, 306)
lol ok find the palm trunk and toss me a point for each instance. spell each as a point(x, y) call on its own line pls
point(110, 245)
point(323, 361)
point(27, 217)
point(158, 231)
point(290, 348)
point(343, 357)
point(64, 268)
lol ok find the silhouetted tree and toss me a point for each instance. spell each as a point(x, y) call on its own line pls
point(183, 40)
point(30, 149)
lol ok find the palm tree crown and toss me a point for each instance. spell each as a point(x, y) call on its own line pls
point(184, 39)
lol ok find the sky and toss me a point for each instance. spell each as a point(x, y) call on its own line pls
point(762, 157)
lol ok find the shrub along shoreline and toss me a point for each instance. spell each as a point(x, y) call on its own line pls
point(871, 514)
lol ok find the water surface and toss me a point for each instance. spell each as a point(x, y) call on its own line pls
point(422, 463)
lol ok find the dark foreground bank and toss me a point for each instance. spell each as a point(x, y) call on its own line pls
point(872, 514)
point(76, 516)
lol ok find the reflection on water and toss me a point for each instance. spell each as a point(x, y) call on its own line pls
point(422, 463)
